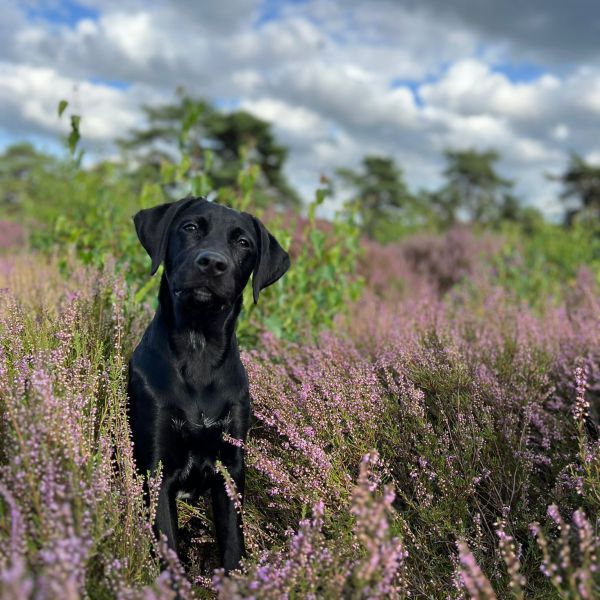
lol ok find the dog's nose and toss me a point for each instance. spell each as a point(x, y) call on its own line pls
point(212, 263)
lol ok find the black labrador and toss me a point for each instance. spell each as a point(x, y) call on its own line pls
point(188, 389)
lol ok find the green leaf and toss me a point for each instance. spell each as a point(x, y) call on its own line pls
point(143, 293)
point(201, 185)
point(74, 136)
point(167, 172)
point(62, 105)
point(183, 167)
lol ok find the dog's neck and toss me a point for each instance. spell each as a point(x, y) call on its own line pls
point(210, 332)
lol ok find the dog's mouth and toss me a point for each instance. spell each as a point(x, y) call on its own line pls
point(199, 294)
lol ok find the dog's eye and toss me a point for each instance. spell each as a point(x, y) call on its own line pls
point(190, 227)
point(243, 242)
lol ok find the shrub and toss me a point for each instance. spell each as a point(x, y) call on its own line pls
point(471, 406)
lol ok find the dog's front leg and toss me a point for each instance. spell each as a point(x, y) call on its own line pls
point(228, 518)
point(166, 513)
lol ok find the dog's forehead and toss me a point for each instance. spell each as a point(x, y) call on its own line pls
point(216, 214)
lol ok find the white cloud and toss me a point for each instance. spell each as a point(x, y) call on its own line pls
point(472, 87)
point(30, 96)
point(295, 121)
point(350, 95)
point(560, 132)
point(593, 158)
point(338, 79)
point(134, 36)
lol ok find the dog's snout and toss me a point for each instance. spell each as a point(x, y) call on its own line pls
point(212, 263)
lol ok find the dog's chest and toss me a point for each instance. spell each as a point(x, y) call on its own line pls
point(199, 422)
point(198, 432)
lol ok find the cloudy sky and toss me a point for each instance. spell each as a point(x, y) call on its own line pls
point(338, 78)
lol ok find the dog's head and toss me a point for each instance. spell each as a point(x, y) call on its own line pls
point(209, 251)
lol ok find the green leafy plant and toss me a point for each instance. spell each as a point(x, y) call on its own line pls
point(92, 210)
point(535, 265)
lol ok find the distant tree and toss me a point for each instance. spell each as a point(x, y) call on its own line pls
point(193, 126)
point(512, 211)
point(444, 206)
point(21, 165)
point(581, 181)
point(379, 192)
point(474, 190)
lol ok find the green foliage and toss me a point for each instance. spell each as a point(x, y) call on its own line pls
point(536, 263)
point(512, 211)
point(62, 105)
point(74, 133)
point(320, 285)
point(473, 190)
point(379, 194)
point(581, 181)
point(184, 131)
point(89, 212)
point(23, 171)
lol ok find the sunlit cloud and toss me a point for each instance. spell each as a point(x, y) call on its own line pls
point(337, 79)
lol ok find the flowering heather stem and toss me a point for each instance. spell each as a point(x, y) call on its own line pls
point(473, 579)
point(174, 572)
point(230, 487)
point(17, 539)
point(511, 560)
point(581, 406)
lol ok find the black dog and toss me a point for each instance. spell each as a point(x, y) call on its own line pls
point(187, 385)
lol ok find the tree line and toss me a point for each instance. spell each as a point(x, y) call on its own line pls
point(219, 144)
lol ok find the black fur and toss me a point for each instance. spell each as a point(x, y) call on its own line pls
point(187, 385)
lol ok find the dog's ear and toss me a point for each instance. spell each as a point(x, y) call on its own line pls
point(272, 261)
point(152, 227)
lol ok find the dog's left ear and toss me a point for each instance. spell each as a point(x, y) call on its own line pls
point(152, 227)
point(272, 261)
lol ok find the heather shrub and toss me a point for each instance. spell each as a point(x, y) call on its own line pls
point(487, 429)
point(367, 562)
point(569, 560)
point(70, 491)
point(319, 408)
point(426, 262)
point(473, 408)
point(407, 450)
point(444, 261)
point(11, 235)
point(534, 267)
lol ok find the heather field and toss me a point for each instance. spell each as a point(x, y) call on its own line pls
point(425, 383)
point(436, 439)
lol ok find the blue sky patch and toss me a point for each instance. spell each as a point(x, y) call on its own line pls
point(519, 72)
point(67, 12)
point(117, 84)
point(412, 85)
point(270, 10)
point(48, 144)
point(227, 104)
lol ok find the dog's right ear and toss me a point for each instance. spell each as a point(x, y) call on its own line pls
point(152, 227)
